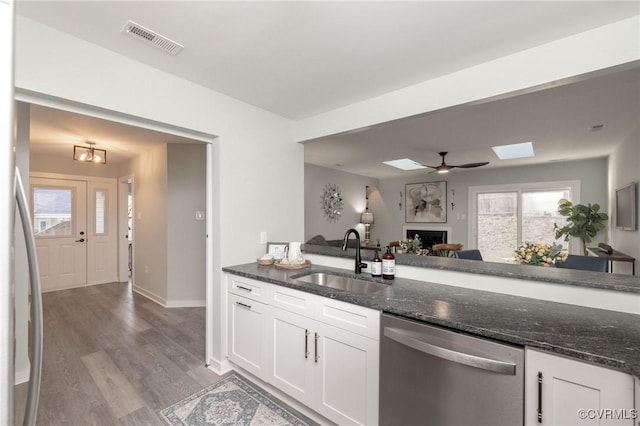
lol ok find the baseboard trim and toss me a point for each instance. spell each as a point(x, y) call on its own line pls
point(186, 303)
point(49, 290)
point(169, 303)
point(150, 295)
point(219, 367)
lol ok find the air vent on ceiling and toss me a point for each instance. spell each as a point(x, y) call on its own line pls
point(151, 37)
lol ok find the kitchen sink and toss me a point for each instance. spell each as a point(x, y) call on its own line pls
point(340, 282)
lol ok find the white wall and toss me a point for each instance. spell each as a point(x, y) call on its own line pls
point(592, 175)
point(256, 162)
point(186, 194)
point(607, 46)
point(150, 223)
point(67, 165)
point(624, 167)
point(352, 188)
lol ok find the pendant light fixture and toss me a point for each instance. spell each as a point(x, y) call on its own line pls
point(89, 154)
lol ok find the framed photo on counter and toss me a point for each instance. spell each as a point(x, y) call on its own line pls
point(277, 249)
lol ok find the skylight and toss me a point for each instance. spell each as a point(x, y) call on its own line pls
point(405, 164)
point(516, 150)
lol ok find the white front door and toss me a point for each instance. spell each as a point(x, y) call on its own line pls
point(59, 221)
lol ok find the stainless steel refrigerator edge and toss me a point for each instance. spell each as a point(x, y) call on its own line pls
point(436, 377)
point(6, 211)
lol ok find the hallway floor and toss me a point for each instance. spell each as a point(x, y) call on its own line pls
point(113, 357)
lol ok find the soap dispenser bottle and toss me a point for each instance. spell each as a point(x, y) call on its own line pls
point(376, 265)
point(388, 265)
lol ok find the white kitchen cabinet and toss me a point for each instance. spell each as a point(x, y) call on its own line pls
point(247, 334)
point(331, 370)
point(291, 345)
point(575, 393)
point(322, 352)
point(346, 374)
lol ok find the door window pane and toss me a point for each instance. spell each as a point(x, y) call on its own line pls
point(497, 225)
point(52, 209)
point(539, 213)
point(101, 211)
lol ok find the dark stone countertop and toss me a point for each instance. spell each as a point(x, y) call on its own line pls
point(600, 280)
point(608, 338)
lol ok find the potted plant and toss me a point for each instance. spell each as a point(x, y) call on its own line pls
point(411, 245)
point(583, 222)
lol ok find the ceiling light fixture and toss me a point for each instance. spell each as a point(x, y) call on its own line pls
point(89, 154)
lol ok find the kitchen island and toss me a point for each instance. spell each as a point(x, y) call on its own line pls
point(603, 337)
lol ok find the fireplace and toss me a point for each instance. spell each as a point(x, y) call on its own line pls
point(428, 237)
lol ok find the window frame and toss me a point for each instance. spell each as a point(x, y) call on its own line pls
point(94, 213)
point(72, 206)
point(472, 226)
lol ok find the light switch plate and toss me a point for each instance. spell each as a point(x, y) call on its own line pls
point(199, 215)
point(263, 237)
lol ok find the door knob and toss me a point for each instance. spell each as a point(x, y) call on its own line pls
point(81, 240)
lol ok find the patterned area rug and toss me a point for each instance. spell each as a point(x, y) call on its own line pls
point(232, 401)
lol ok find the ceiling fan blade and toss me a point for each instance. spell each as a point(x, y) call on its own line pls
point(431, 167)
point(470, 165)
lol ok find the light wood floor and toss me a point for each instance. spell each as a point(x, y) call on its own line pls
point(113, 357)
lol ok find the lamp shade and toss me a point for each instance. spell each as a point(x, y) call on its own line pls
point(366, 218)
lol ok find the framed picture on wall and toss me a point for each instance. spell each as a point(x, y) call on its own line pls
point(426, 202)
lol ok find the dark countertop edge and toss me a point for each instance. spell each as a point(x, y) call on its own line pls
point(523, 341)
point(346, 297)
point(588, 279)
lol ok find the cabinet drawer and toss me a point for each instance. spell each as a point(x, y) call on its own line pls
point(357, 319)
point(291, 300)
point(246, 287)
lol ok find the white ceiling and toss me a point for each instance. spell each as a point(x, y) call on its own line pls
point(557, 120)
point(55, 132)
point(298, 59)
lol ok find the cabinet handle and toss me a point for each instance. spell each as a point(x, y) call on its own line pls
point(316, 337)
point(244, 288)
point(306, 344)
point(539, 397)
point(244, 305)
point(409, 339)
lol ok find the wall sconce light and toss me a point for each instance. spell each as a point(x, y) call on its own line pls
point(367, 218)
point(89, 154)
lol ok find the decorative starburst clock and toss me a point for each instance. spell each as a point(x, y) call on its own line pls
point(331, 203)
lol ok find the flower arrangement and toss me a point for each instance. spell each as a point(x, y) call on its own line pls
point(540, 254)
point(412, 245)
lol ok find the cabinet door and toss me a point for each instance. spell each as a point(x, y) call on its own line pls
point(346, 373)
point(247, 337)
point(291, 344)
point(568, 387)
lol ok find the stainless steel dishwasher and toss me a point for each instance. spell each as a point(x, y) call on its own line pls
point(436, 377)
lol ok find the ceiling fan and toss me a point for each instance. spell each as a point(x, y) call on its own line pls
point(444, 168)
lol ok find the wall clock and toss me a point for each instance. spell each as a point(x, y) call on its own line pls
point(331, 203)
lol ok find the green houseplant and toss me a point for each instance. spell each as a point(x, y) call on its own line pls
point(583, 222)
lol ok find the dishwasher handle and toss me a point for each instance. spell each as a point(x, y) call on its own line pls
point(405, 338)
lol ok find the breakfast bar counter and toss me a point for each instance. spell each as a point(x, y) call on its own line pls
point(599, 336)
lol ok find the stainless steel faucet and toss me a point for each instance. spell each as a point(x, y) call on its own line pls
point(359, 263)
